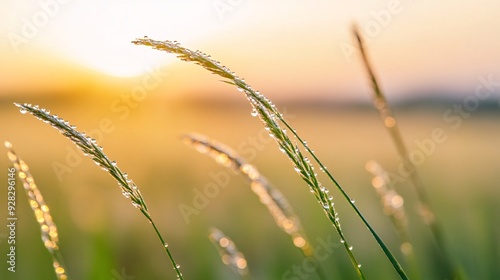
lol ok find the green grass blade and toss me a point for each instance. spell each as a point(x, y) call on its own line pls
point(271, 117)
point(90, 149)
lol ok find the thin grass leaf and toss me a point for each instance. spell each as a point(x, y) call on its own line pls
point(90, 149)
point(271, 117)
point(48, 228)
point(230, 255)
point(424, 207)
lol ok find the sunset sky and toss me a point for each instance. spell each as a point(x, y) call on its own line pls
point(296, 49)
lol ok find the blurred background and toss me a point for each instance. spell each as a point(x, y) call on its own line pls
point(437, 62)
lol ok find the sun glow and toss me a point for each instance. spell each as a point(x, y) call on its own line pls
point(84, 32)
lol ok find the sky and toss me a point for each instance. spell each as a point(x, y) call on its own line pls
point(292, 49)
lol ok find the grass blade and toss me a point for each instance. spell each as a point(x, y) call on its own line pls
point(48, 228)
point(271, 118)
point(90, 149)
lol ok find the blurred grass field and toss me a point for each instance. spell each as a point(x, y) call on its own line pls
point(104, 237)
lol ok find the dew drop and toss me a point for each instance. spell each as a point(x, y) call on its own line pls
point(126, 194)
point(23, 111)
point(113, 163)
point(326, 205)
point(350, 248)
point(136, 205)
point(353, 201)
point(359, 265)
point(254, 113)
point(165, 245)
point(177, 266)
point(342, 241)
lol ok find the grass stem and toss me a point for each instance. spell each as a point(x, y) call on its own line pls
point(271, 119)
point(91, 149)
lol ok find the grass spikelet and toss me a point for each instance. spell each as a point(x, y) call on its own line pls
point(48, 228)
point(392, 202)
point(230, 255)
point(91, 149)
point(278, 206)
point(393, 206)
point(272, 120)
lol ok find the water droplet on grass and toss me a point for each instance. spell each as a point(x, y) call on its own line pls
point(126, 194)
point(23, 111)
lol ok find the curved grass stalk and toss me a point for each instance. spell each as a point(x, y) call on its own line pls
point(230, 255)
point(48, 228)
point(271, 118)
point(90, 149)
point(278, 206)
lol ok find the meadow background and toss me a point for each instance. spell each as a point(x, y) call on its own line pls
point(428, 56)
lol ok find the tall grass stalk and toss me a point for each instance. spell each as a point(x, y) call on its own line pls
point(230, 255)
point(424, 207)
point(272, 118)
point(278, 206)
point(48, 228)
point(91, 149)
point(276, 203)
